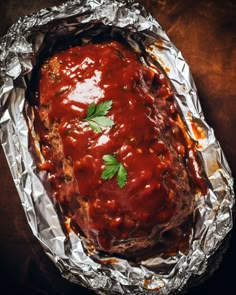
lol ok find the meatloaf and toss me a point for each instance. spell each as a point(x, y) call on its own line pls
point(117, 154)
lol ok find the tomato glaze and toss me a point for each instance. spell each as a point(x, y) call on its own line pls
point(163, 173)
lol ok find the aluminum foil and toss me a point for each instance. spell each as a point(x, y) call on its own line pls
point(212, 213)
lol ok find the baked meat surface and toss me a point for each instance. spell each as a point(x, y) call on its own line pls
point(119, 159)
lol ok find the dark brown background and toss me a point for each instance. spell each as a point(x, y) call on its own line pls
point(205, 32)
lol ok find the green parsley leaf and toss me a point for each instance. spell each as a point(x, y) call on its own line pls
point(103, 121)
point(112, 167)
point(96, 115)
point(109, 159)
point(91, 109)
point(110, 171)
point(94, 126)
point(121, 176)
point(103, 108)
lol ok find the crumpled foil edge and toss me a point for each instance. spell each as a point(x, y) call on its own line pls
point(213, 212)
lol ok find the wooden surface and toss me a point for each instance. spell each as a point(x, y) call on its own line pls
point(205, 33)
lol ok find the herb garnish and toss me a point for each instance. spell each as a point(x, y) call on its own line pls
point(112, 166)
point(96, 115)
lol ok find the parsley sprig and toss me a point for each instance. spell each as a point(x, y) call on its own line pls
point(112, 167)
point(96, 115)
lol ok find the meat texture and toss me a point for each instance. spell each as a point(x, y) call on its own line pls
point(143, 132)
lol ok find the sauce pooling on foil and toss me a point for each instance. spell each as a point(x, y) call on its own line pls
point(146, 137)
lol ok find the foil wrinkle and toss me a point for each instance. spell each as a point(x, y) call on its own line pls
point(19, 49)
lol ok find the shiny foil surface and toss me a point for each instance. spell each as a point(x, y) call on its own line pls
point(212, 213)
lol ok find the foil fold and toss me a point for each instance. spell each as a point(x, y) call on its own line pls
point(212, 213)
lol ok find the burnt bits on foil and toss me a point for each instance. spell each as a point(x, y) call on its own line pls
point(89, 19)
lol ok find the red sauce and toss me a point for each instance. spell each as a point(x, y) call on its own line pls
point(146, 138)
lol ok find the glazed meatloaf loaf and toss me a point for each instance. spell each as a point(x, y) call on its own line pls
point(117, 154)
